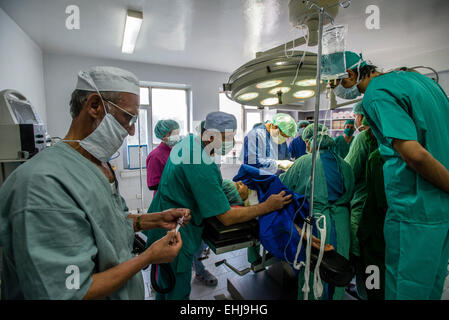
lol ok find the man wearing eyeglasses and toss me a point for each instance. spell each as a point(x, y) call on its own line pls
point(65, 229)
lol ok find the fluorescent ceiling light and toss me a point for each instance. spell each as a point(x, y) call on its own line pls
point(248, 96)
point(133, 23)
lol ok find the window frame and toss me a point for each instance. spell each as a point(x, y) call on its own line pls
point(148, 107)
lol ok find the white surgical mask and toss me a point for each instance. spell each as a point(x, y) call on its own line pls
point(347, 93)
point(277, 137)
point(172, 140)
point(106, 139)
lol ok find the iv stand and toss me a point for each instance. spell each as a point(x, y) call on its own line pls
point(315, 132)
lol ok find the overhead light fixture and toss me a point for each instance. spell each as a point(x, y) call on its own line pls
point(279, 89)
point(268, 84)
point(248, 96)
point(303, 94)
point(274, 84)
point(133, 23)
point(270, 101)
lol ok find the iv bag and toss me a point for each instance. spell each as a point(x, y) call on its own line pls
point(333, 62)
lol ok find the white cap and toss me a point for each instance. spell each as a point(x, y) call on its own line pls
point(108, 79)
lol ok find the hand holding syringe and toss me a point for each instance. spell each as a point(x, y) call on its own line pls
point(180, 222)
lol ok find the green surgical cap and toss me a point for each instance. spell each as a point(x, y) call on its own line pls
point(350, 121)
point(352, 60)
point(358, 108)
point(286, 124)
point(165, 126)
point(324, 140)
point(231, 193)
point(307, 134)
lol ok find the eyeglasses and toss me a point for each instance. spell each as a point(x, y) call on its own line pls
point(134, 117)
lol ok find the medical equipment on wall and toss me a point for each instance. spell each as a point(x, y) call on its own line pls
point(277, 77)
point(22, 133)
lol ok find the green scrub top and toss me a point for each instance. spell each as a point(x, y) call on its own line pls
point(337, 214)
point(59, 213)
point(410, 106)
point(190, 180)
point(341, 146)
point(364, 144)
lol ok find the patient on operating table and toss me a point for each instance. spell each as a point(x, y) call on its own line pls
point(239, 194)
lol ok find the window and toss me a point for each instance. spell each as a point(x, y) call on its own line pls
point(156, 103)
point(169, 104)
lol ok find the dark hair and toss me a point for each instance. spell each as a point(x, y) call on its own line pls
point(79, 98)
point(365, 71)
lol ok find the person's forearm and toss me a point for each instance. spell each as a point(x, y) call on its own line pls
point(107, 282)
point(242, 214)
point(420, 160)
point(147, 221)
point(431, 170)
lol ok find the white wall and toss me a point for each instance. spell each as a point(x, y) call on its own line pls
point(60, 72)
point(21, 64)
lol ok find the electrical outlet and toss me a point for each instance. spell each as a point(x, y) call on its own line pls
point(138, 196)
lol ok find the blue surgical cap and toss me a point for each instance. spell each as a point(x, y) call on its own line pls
point(220, 121)
point(165, 126)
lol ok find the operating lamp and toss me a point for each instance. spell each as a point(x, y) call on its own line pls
point(281, 78)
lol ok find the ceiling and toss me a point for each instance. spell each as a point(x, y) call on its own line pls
point(222, 35)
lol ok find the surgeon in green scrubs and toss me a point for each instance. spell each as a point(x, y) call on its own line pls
point(65, 230)
point(343, 142)
point(191, 179)
point(408, 113)
point(364, 144)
